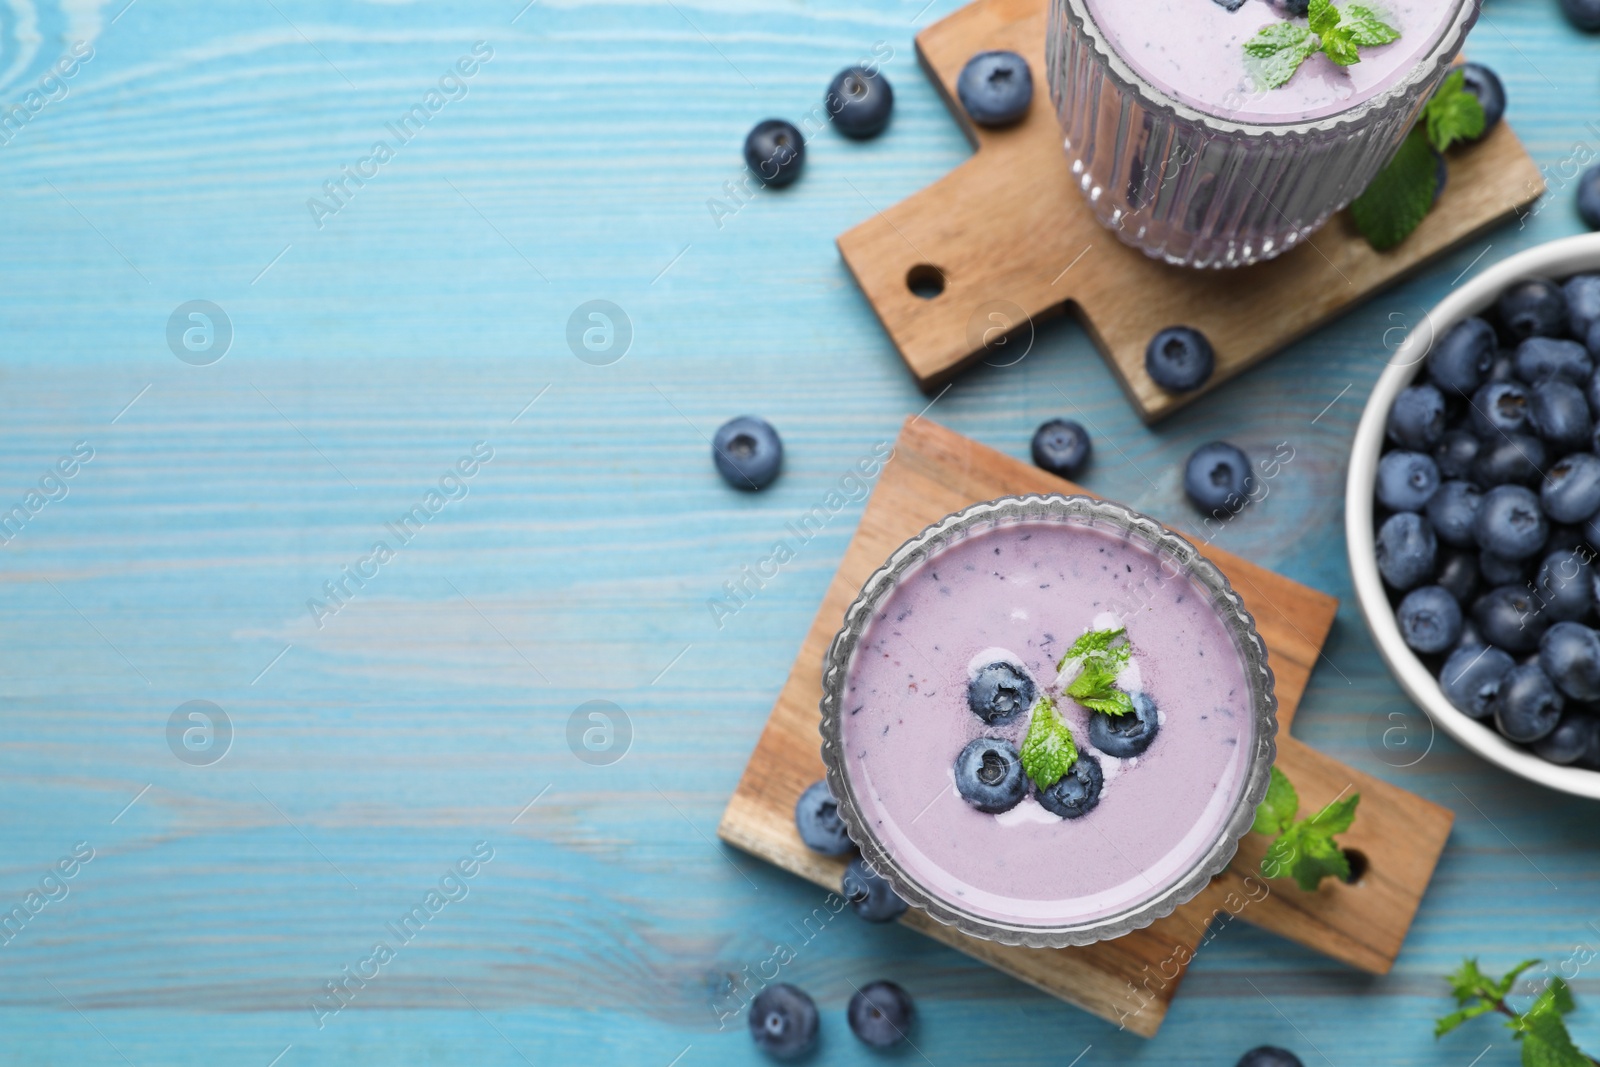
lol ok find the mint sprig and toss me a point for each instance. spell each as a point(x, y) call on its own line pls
point(1048, 751)
point(1541, 1028)
point(1337, 32)
point(1101, 655)
point(1304, 849)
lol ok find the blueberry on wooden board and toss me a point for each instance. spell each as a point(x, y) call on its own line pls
point(995, 88)
point(860, 102)
point(1179, 359)
point(1484, 84)
point(816, 817)
point(873, 898)
point(775, 152)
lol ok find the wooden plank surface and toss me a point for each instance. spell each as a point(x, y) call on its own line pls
point(1010, 234)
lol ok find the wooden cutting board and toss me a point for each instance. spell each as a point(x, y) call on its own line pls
point(1012, 241)
point(1129, 981)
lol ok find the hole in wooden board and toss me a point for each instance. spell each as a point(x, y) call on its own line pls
point(925, 280)
point(1358, 865)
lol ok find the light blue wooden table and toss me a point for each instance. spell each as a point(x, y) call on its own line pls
point(378, 736)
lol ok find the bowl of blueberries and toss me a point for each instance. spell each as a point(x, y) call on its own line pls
point(1473, 515)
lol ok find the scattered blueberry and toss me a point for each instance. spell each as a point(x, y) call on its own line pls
point(880, 1014)
point(1569, 652)
point(1471, 678)
point(999, 692)
point(816, 816)
point(1460, 361)
point(1539, 358)
point(1407, 481)
point(1123, 736)
point(989, 775)
point(1451, 510)
point(995, 88)
point(1589, 197)
point(1406, 550)
point(747, 452)
point(1571, 490)
point(1584, 14)
point(1484, 84)
point(872, 896)
point(1500, 407)
point(783, 1021)
point(1533, 307)
point(1565, 582)
point(1529, 705)
point(1510, 522)
point(860, 102)
point(1417, 419)
point(1179, 359)
point(1583, 302)
point(1061, 447)
point(1573, 738)
point(1269, 1056)
point(1455, 452)
point(1508, 617)
point(1516, 458)
point(1560, 414)
point(1498, 571)
point(1430, 619)
point(1218, 477)
point(1077, 792)
point(775, 151)
point(1458, 576)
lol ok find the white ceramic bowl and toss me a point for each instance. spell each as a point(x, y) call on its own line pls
point(1558, 259)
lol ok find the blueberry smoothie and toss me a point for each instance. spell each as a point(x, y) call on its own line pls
point(985, 663)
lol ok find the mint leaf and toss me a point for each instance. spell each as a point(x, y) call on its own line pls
point(1278, 807)
point(1338, 46)
point(1499, 990)
point(1336, 817)
point(1546, 1043)
point(1112, 702)
point(1468, 982)
point(1447, 1023)
point(1337, 32)
point(1398, 198)
point(1281, 47)
point(1305, 849)
point(1366, 28)
point(1048, 751)
point(1322, 15)
point(1099, 662)
point(1557, 997)
point(1452, 114)
point(1091, 642)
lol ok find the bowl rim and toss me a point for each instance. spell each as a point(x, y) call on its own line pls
point(987, 515)
point(1555, 259)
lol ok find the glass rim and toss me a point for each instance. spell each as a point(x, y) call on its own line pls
point(1006, 511)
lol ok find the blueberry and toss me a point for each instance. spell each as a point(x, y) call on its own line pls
point(999, 692)
point(1565, 583)
point(1179, 359)
point(1500, 407)
point(1458, 576)
point(775, 152)
point(989, 775)
point(873, 898)
point(1574, 737)
point(1516, 458)
point(816, 816)
point(1484, 84)
point(1504, 368)
point(1583, 302)
point(1589, 197)
point(1470, 638)
point(1529, 705)
point(1498, 571)
point(1454, 453)
point(1533, 307)
point(995, 88)
point(1460, 361)
point(860, 101)
point(1269, 1056)
point(1430, 619)
point(1508, 617)
point(1560, 414)
point(1407, 481)
point(1539, 358)
point(1450, 511)
point(783, 1021)
point(1471, 678)
point(1218, 477)
point(1510, 522)
point(1563, 537)
point(1077, 791)
point(1584, 14)
point(1417, 419)
point(1571, 490)
point(1569, 652)
point(1061, 447)
point(1406, 547)
point(880, 1014)
point(747, 452)
point(1126, 735)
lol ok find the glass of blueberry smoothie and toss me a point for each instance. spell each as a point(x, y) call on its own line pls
point(1047, 720)
point(1215, 133)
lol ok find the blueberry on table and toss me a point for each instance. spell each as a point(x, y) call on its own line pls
point(1574, 737)
point(1508, 617)
point(989, 775)
point(872, 896)
point(783, 1021)
point(1128, 735)
point(1496, 570)
point(1077, 792)
point(1061, 447)
point(1529, 705)
point(860, 102)
point(1269, 1056)
point(1218, 477)
point(1451, 511)
point(1589, 197)
point(816, 816)
point(1571, 489)
point(1455, 452)
point(747, 452)
point(1459, 363)
point(1406, 548)
point(1583, 302)
point(1539, 358)
point(1407, 481)
point(1559, 413)
point(1484, 84)
point(1471, 678)
point(880, 1014)
point(1417, 418)
point(1509, 458)
point(1584, 14)
point(1569, 653)
point(1533, 307)
point(995, 88)
point(1500, 407)
point(1179, 359)
point(1565, 582)
point(1458, 576)
point(1510, 522)
point(999, 691)
point(775, 151)
point(1430, 619)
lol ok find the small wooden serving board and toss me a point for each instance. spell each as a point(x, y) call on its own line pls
point(1010, 235)
point(1129, 981)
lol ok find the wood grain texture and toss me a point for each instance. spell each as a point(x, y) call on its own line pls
point(1013, 240)
point(935, 472)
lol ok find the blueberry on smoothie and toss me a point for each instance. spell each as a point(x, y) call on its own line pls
point(816, 816)
point(1061, 447)
point(783, 1021)
point(1484, 84)
point(860, 102)
point(1459, 363)
point(1471, 678)
point(1533, 307)
point(1529, 705)
point(1077, 792)
point(870, 894)
point(1269, 1056)
point(1179, 359)
point(1123, 736)
point(880, 1014)
point(995, 88)
point(989, 775)
point(747, 452)
point(999, 692)
point(775, 151)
